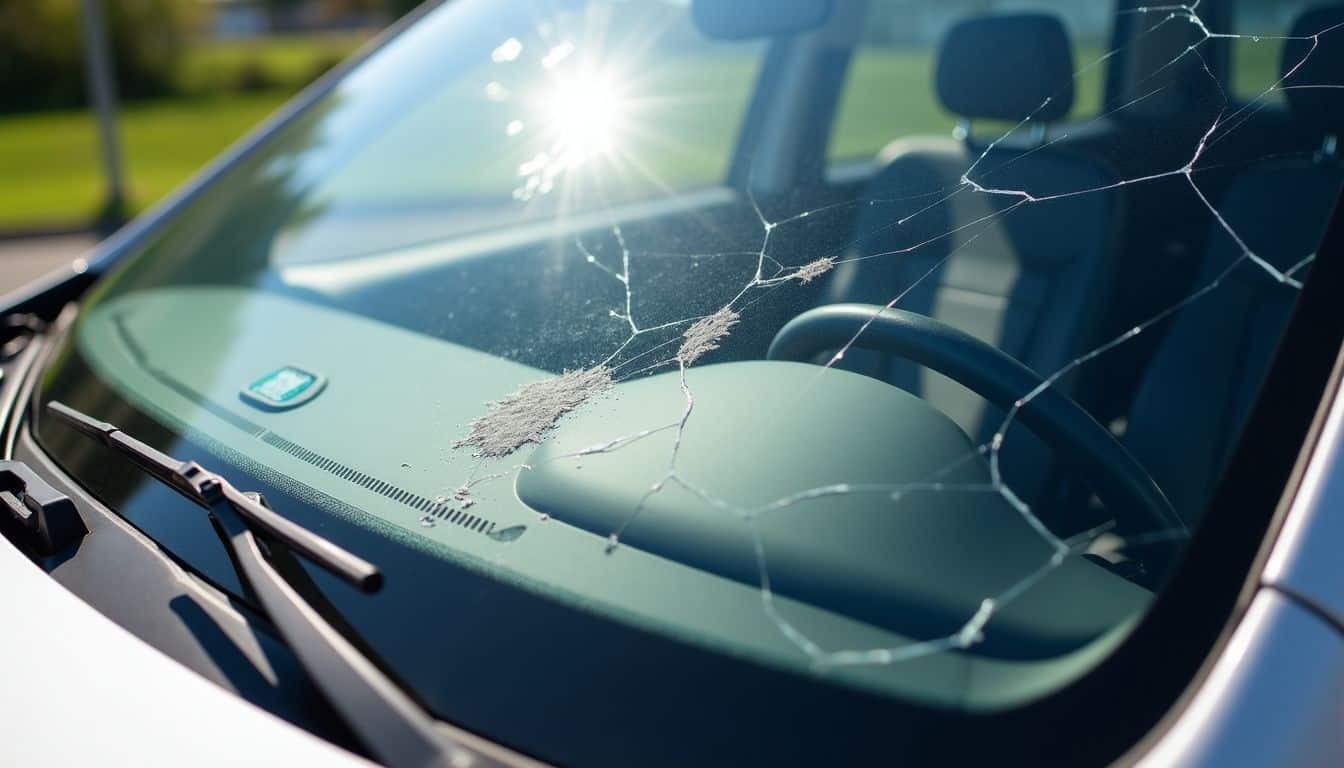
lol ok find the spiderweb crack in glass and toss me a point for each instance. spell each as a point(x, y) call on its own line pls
point(526, 415)
point(529, 413)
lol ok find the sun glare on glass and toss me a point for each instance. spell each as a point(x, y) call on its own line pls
point(584, 114)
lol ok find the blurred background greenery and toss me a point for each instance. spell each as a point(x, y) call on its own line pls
point(192, 76)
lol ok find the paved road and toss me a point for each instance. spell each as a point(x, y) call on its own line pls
point(22, 259)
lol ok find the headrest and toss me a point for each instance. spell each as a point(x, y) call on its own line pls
point(1322, 107)
point(1003, 67)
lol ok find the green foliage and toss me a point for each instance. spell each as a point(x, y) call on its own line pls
point(42, 49)
point(274, 63)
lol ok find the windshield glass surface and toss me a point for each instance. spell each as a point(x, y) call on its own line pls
point(890, 351)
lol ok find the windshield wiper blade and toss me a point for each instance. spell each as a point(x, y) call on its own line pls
point(396, 729)
point(208, 489)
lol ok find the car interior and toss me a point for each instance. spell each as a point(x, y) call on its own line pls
point(1064, 276)
point(1033, 283)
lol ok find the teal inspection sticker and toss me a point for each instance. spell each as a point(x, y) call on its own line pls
point(283, 388)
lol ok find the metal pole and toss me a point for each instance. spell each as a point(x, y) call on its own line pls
point(103, 94)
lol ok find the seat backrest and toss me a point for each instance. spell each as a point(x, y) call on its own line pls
point(1198, 390)
point(1029, 280)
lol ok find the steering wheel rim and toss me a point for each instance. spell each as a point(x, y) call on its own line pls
point(1116, 476)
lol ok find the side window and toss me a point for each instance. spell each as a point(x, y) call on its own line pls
point(889, 92)
point(1256, 53)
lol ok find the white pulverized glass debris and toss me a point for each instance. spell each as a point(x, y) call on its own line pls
point(704, 335)
point(526, 415)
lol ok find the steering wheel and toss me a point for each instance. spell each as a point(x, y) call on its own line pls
point(1118, 478)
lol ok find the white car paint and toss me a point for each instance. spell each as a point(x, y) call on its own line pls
point(80, 690)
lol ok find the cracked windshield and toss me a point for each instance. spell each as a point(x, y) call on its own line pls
point(896, 346)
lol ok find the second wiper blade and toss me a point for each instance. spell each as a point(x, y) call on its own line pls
point(207, 488)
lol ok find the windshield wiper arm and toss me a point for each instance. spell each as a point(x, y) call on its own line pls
point(209, 489)
point(396, 729)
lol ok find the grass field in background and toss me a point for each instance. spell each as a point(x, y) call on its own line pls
point(889, 93)
point(51, 176)
point(51, 172)
point(50, 168)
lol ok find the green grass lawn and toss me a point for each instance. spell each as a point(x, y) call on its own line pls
point(1255, 67)
point(50, 165)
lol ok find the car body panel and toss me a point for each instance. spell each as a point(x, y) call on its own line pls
point(94, 694)
point(1273, 698)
